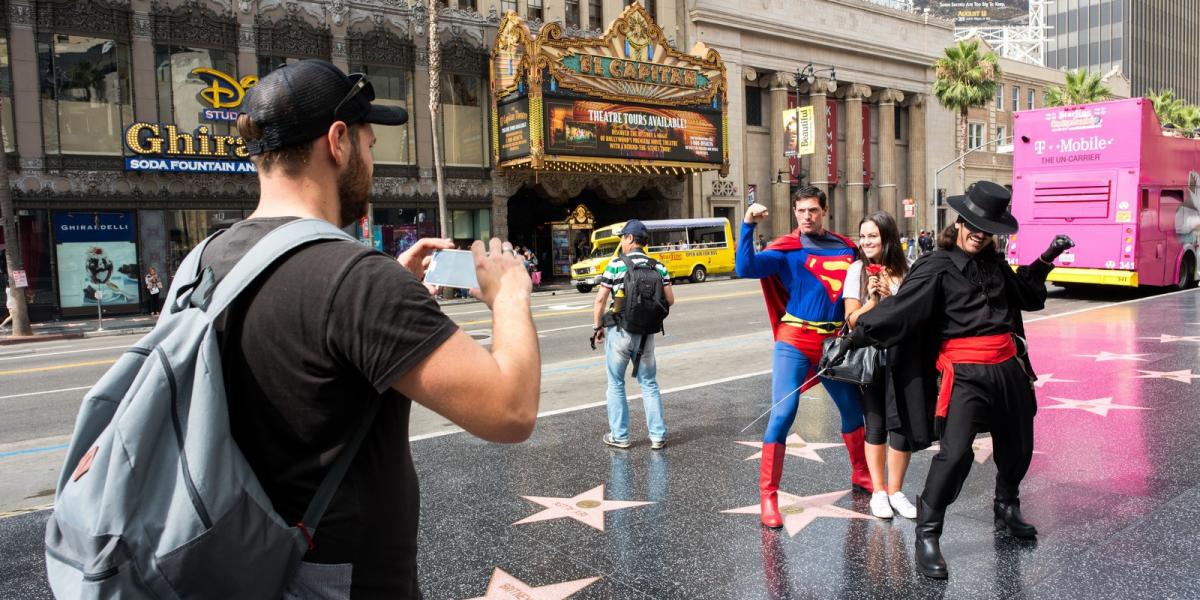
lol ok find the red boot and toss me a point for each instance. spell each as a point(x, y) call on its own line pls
point(769, 472)
point(860, 476)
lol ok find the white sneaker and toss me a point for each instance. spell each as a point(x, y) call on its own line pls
point(879, 505)
point(903, 507)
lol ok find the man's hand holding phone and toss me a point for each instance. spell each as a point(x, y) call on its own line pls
point(501, 273)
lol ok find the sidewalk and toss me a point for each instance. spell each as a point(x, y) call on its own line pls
point(77, 328)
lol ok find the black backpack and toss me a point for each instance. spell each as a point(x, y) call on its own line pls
point(644, 307)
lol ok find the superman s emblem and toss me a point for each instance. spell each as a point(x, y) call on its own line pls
point(831, 271)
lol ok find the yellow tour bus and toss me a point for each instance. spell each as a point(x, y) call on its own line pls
point(691, 248)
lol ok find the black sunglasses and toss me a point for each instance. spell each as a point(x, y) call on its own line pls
point(972, 228)
point(359, 84)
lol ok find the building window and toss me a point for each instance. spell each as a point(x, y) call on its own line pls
point(468, 5)
point(179, 100)
point(595, 15)
point(462, 121)
point(1016, 98)
point(1032, 97)
point(507, 6)
point(1001, 134)
point(974, 135)
point(86, 93)
point(535, 10)
point(6, 94)
point(393, 87)
point(651, 6)
point(754, 105)
point(572, 13)
point(266, 64)
point(470, 225)
point(999, 97)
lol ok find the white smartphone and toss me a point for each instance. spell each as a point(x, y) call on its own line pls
point(452, 268)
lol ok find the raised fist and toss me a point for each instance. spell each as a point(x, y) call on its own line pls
point(1060, 244)
point(756, 213)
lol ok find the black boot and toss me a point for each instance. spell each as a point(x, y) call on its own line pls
point(1008, 516)
point(929, 552)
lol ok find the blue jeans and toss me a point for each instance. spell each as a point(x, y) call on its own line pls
point(619, 346)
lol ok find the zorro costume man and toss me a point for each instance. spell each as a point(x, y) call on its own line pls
point(803, 276)
point(958, 312)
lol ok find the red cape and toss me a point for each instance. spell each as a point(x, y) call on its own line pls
point(773, 291)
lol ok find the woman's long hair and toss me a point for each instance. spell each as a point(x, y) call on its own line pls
point(891, 254)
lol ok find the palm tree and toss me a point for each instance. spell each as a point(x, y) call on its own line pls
point(435, 103)
point(965, 77)
point(12, 252)
point(1081, 88)
point(1166, 106)
point(1188, 119)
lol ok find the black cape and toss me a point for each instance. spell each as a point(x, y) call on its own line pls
point(909, 324)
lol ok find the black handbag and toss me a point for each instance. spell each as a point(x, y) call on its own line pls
point(863, 366)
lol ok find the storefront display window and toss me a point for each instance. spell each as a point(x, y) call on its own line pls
point(187, 228)
point(34, 228)
point(393, 87)
point(86, 93)
point(470, 225)
point(463, 121)
point(179, 91)
point(396, 229)
point(6, 94)
point(97, 260)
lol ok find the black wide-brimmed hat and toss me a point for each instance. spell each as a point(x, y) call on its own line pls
point(985, 207)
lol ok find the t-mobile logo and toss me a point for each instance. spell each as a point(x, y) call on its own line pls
point(1039, 146)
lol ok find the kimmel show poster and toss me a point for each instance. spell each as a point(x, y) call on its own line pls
point(607, 129)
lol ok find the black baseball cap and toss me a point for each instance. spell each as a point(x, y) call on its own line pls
point(298, 102)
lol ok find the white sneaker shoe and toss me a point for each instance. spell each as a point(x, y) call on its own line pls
point(903, 507)
point(879, 505)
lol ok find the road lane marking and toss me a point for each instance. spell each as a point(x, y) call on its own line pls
point(562, 313)
point(33, 450)
point(1100, 306)
point(74, 389)
point(121, 347)
point(89, 363)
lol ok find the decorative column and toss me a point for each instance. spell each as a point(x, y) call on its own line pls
point(887, 198)
point(847, 218)
point(916, 164)
point(818, 98)
point(247, 49)
point(145, 104)
point(781, 220)
point(26, 100)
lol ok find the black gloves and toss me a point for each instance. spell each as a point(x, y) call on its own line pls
point(837, 353)
point(1060, 244)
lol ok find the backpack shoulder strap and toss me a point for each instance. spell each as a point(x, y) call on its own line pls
point(264, 253)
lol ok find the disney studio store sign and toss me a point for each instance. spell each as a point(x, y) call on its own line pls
point(167, 147)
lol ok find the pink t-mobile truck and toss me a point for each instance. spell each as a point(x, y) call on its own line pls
point(1109, 176)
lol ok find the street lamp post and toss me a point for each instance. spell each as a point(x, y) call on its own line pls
point(808, 74)
point(936, 190)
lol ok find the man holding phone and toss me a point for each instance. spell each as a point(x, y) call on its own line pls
point(300, 368)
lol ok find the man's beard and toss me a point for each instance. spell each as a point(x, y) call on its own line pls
point(353, 189)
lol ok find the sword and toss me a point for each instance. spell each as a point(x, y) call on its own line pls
point(809, 380)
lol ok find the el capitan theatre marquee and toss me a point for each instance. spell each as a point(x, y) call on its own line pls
point(164, 147)
point(626, 102)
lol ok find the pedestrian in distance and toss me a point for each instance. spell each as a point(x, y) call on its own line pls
point(153, 290)
point(299, 368)
point(876, 275)
point(641, 293)
point(958, 312)
point(803, 276)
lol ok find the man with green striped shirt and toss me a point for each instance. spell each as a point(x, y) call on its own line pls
point(620, 345)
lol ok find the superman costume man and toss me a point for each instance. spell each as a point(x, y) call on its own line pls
point(802, 277)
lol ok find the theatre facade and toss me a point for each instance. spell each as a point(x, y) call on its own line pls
point(121, 150)
point(589, 131)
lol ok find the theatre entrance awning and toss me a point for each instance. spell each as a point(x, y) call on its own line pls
point(626, 102)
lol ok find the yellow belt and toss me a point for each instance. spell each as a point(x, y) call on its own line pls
point(818, 326)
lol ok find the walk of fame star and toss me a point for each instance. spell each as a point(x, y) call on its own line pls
point(1049, 378)
point(1167, 338)
point(1099, 406)
point(505, 586)
point(1184, 376)
point(982, 447)
point(799, 511)
point(1107, 356)
point(796, 446)
point(587, 508)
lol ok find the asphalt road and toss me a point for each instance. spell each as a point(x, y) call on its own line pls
point(717, 331)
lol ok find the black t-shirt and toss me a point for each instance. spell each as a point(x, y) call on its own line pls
point(304, 349)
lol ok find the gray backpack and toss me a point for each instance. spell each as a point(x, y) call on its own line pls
point(155, 499)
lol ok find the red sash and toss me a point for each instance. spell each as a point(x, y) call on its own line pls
point(983, 350)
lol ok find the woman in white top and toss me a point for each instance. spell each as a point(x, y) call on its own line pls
point(875, 276)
